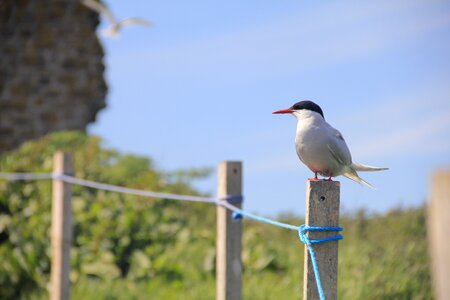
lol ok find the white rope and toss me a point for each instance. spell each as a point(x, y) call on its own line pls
point(25, 176)
point(103, 186)
point(124, 190)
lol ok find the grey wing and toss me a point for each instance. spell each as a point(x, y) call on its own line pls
point(101, 9)
point(338, 148)
point(136, 21)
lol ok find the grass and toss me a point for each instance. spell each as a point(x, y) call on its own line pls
point(381, 257)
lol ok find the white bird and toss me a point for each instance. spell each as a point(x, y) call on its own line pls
point(116, 25)
point(320, 146)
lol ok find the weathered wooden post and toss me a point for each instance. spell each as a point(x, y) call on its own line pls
point(61, 228)
point(438, 218)
point(229, 235)
point(322, 209)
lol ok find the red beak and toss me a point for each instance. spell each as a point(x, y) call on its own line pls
point(284, 111)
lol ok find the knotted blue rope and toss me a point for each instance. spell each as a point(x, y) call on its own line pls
point(302, 233)
point(235, 200)
point(237, 216)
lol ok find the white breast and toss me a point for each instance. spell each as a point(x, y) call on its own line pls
point(313, 140)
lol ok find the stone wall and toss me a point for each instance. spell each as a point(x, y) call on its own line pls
point(51, 69)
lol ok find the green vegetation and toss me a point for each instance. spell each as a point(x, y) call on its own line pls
point(128, 247)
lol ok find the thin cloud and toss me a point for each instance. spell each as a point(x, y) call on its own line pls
point(417, 122)
point(421, 137)
point(330, 34)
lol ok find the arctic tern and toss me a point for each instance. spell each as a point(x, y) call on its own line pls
point(320, 146)
point(116, 25)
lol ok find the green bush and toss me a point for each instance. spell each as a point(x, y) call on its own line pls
point(129, 247)
point(115, 235)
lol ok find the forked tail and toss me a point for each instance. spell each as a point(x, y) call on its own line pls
point(361, 167)
point(351, 174)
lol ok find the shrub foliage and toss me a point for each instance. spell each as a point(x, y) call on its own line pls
point(129, 247)
point(115, 235)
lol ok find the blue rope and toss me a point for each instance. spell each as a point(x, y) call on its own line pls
point(237, 216)
point(239, 213)
point(302, 230)
point(234, 199)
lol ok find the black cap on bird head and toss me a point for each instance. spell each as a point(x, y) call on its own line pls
point(306, 104)
point(309, 105)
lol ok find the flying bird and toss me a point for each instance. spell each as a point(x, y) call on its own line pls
point(116, 25)
point(321, 147)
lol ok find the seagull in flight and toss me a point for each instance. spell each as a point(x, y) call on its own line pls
point(116, 25)
point(321, 147)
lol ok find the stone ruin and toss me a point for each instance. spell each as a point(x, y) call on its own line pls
point(51, 69)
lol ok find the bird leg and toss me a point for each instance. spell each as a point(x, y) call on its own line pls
point(329, 178)
point(315, 177)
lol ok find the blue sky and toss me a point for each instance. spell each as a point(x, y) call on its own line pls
point(200, 86)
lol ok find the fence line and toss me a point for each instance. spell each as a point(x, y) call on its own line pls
point(438, 216)
point(229, 234)
point(61, 229)
point(230, 231)
point(150, 194)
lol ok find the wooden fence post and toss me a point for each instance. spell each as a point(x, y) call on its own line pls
point(61, 233)
point(229, 235)
point(438, 216)
point(322, 209)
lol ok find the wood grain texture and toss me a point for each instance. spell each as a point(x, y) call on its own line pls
point(438, 221)
point(322, 209)
point(61, 233)
point(229, 235)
